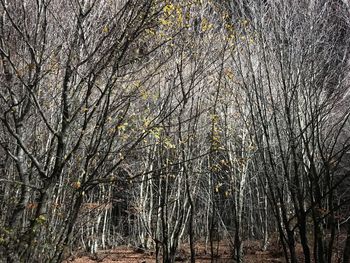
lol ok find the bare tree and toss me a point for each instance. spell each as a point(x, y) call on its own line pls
point(67, 89)
point(294, 82)
point(159, 123)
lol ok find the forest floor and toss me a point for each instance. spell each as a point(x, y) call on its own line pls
point(252, 252)
point(125, 254)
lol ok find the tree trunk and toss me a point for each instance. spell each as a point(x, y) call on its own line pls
point(346, 254)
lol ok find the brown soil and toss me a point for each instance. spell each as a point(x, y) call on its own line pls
point(125, 254)
point(252, 251)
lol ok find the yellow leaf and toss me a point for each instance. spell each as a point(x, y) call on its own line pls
point(76, 185)
point(122, 127)
point(105, 29)
point(41, 219)
point(168, 144)
point(165, 22)
point(150, 32)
